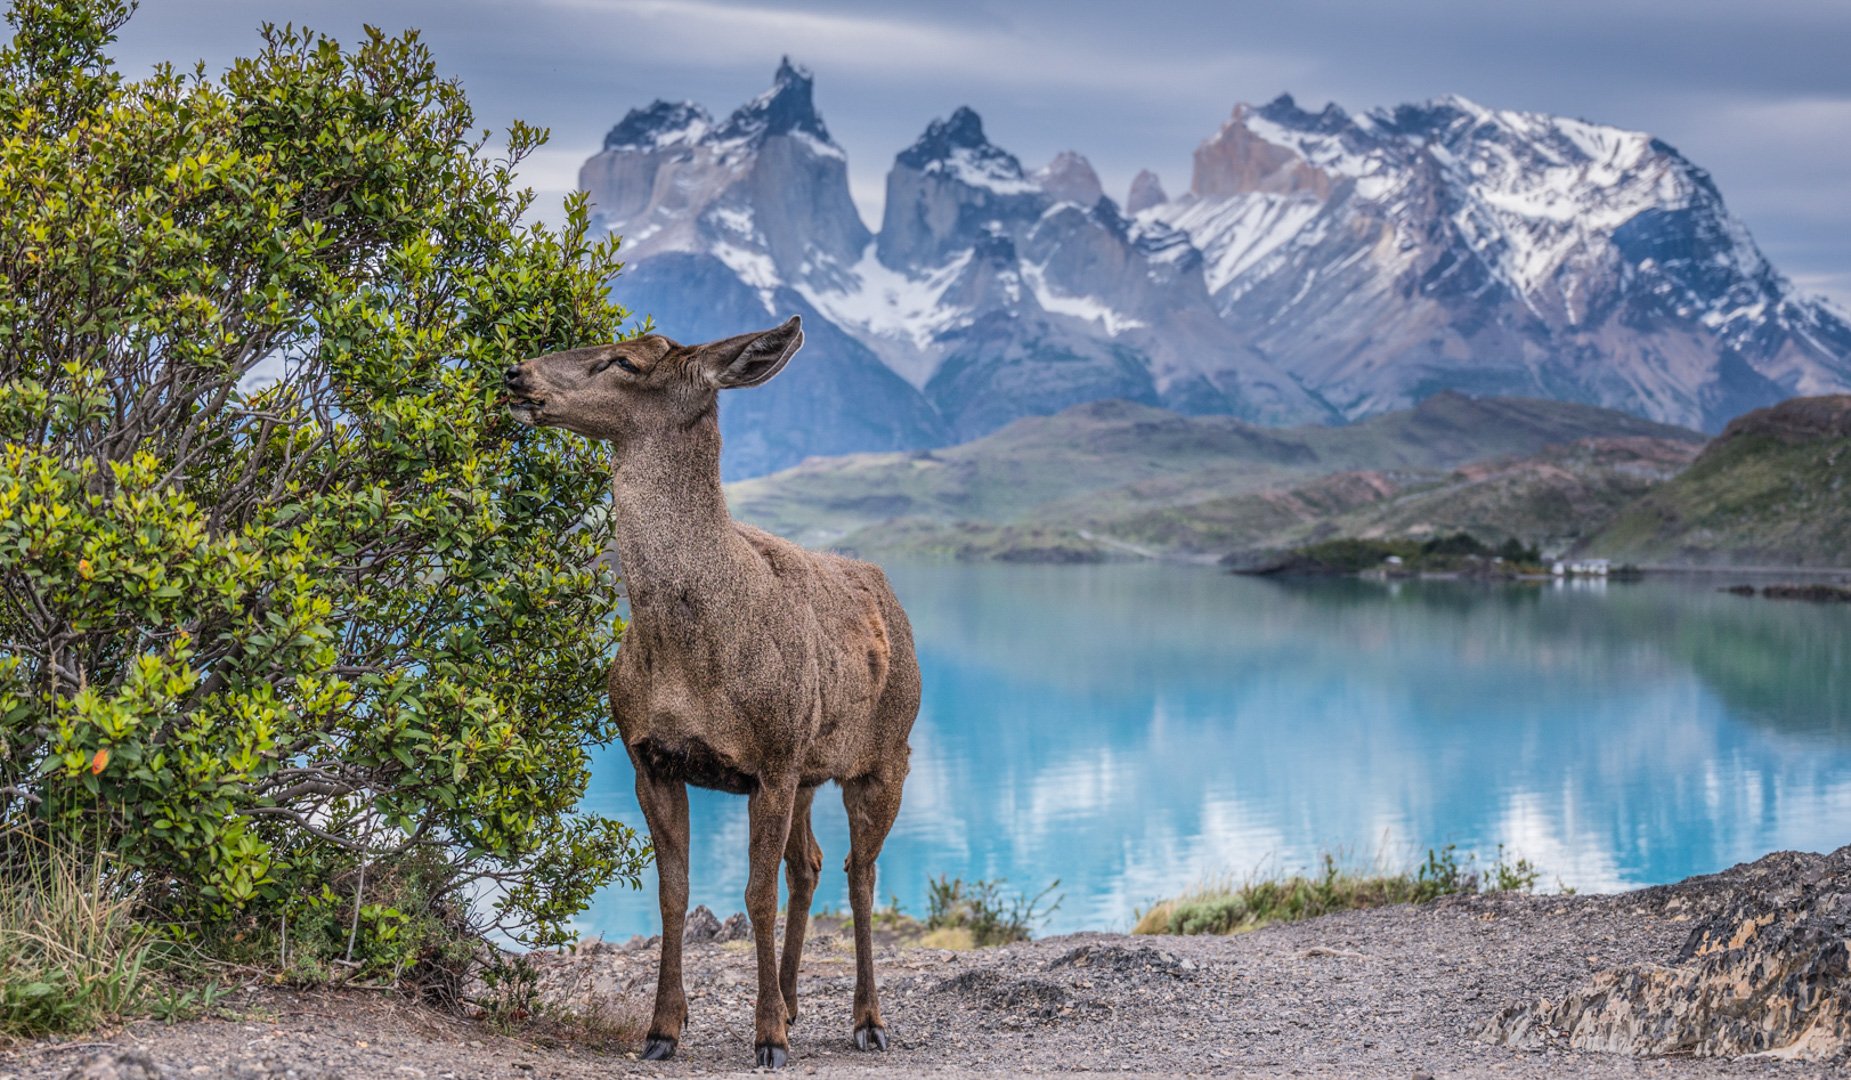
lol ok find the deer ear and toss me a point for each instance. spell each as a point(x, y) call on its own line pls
point(750, 359)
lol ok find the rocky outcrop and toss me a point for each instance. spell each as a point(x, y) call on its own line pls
point(1801, 420)
point(1768, 973)
point(1146, 192)
point(1070, 178)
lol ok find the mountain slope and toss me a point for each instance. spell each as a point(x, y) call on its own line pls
point(1114, 460)
point(1774, 489)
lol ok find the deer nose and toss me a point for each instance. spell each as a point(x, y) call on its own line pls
point(511, 378)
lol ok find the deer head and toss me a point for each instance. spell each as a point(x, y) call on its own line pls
point(630, 389)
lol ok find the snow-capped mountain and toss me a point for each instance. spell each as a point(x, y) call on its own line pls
point(1379, 258)
point(1321, 268)
point(722, 222)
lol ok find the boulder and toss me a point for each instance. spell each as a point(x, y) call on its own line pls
point(1768, 974)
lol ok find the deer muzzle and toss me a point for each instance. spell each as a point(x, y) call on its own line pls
point(521, 400)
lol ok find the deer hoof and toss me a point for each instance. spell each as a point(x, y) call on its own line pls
point(658, 1048)
point(772, 1057)
point(870, 1036)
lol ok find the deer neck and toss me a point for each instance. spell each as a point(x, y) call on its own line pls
point(673, 533)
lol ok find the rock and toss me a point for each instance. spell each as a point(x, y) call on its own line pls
point(1037, 998)
point(1146, 192)
point(737, 927)
point(638, 943)
point(1769, 973)
point(1815, 592)
point(701, 926)
point(1135, 963)
point(116, 1065)
point(1070, 178)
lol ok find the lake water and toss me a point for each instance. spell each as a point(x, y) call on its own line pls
point(1134, 729)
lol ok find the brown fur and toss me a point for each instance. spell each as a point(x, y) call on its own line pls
point(750, 664)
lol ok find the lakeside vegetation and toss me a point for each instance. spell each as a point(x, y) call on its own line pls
point(1227, 907)
point(1460, 553)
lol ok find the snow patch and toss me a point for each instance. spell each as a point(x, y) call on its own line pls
point(1079, 307)
point(1237, 232)
point(819, 147)
point(755, 268)
point(984, 171)
point(891, 303)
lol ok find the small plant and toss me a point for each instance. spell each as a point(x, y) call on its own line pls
point(980, 909)
point(893, 916)
point(1518, 876)
point(513, 992)
point(1444, 875)
point(170, 1007)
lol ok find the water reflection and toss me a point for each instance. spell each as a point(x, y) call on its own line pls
point(1133, 729)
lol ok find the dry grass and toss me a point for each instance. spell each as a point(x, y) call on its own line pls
point(71, 952)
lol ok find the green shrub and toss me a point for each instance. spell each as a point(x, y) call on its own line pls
point(1349, 555)
point(1459, 543)
point(980, 908)
point(288, 597)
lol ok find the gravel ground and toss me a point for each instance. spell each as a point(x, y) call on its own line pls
point(1396, 992)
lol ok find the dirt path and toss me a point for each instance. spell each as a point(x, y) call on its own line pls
point(1396, 992)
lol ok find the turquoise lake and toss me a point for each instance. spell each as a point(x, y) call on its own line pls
point(1135, 729)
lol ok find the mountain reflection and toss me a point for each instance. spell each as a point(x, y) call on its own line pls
point(1134, 729)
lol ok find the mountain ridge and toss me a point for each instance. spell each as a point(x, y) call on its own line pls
point(1322, 268)
point(1114, 461)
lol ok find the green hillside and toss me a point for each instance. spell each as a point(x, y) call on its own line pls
point(1774, 489)
point(1031, 489)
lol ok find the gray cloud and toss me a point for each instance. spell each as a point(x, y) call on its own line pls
point(1759, 94)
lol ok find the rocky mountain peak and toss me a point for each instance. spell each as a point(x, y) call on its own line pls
point(1146, 192)
point(1070, 178)
point(1284, 110)
point(661, 123)
point(960, 139)
point(1250, 153)
point(788, 106)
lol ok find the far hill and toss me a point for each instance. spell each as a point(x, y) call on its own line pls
point(1095, 466)
point(1774, 489)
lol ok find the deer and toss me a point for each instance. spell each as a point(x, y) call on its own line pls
point(750, 665)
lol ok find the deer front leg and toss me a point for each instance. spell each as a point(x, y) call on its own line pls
point(770, 813)
point(803, 864)
point(665, 807)
point(872, 804)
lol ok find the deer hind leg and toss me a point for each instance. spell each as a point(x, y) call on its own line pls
point(770, 813)
point(872, 804)
point(665, 807)
point(803, 864)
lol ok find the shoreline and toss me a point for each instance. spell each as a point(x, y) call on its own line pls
point(1461, 986)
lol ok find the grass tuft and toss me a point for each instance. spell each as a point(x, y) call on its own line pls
point(72, 955)
point(1223, 907)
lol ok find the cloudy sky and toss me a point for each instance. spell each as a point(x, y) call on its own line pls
point(1757, 91)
